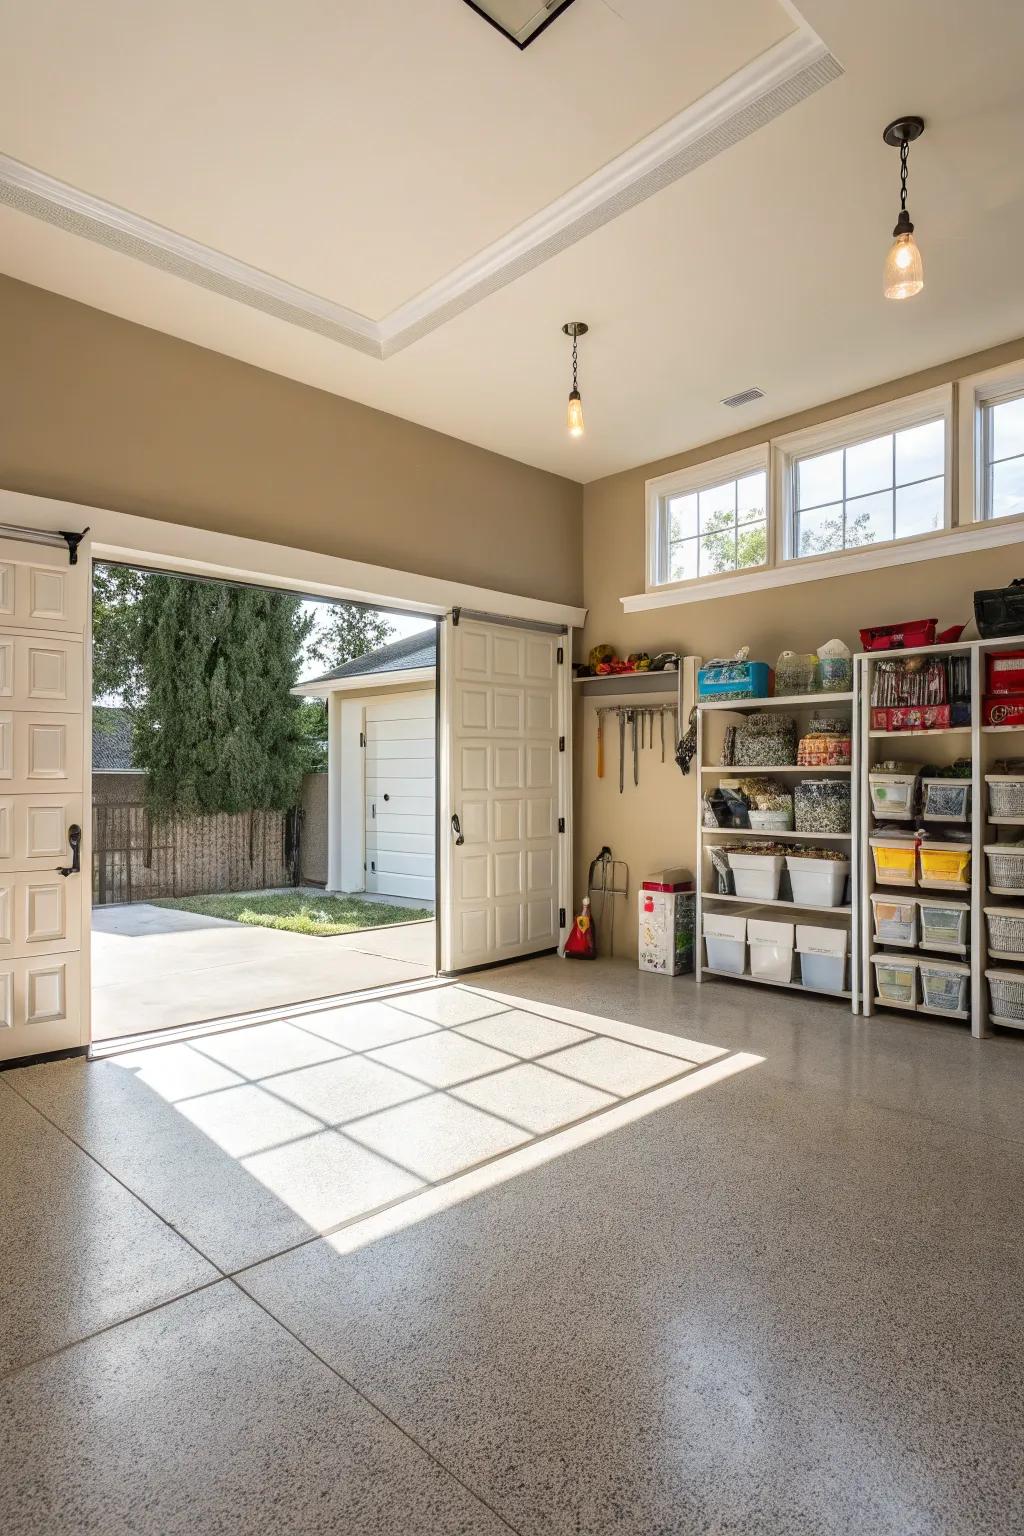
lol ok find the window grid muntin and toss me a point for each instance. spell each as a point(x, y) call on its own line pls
point(670, 545)
point(989, 460)
point(797, 511)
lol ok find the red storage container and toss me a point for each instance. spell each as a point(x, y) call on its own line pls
point(911, 717)
point(899, 637)
point(1004, 672)
point(1004, 711)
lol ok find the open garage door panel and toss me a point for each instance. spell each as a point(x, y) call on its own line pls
point(400, 799)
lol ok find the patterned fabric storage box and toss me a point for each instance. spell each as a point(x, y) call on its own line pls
point(895, 919)
point(896, 979)
point(945, 985)
point(944, 923)
point(1005, 868)
point(1006, 996)
point(1005, 932)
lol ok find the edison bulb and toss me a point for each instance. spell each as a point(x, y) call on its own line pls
point(904, 271)
point(574, 420)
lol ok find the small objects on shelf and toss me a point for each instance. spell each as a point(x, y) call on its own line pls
point(796, 673)
point(921, 693)
point(603, 661)
point(835, 667)
point(827, 743)
point(899, 637)
point(766, 739)
point(734, 677)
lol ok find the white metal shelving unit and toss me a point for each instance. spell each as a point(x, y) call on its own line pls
point(803, 706)
point(985, 744)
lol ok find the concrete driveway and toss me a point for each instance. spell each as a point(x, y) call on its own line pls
point(155, 967)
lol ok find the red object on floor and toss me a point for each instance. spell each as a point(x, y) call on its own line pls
point(899, 637)
point(581, 945)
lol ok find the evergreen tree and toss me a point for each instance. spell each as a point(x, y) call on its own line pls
point(216, 727)
point(345, 631)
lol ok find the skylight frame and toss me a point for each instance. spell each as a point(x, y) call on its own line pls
point(492, 21)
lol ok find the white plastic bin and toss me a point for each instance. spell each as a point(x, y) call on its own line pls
point(944, 923)
point(822, 956)
point(818, 882)
point(896, 979)
point(944, 986)
point(895, 919)
point(771, 949)
point(946, 799)
point(756, 876)
point(892, 795)
point(726, 939)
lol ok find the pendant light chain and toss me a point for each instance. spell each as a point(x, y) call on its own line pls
point(575, 383)
point(904, 155)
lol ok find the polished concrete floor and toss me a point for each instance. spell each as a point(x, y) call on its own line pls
point(207, 968)
point(566, 1251)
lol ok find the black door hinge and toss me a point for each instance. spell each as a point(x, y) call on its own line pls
point(561, 743)
point(561, 655)
point(362, 739)
point(456, 612)
point(561, 823)
point(561, 917)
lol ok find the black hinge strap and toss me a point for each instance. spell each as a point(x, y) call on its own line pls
point(455, 617)
point(560, 653)
point(561, 743)
point(561, 917)
point(561, 823)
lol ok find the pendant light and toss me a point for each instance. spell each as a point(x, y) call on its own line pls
point(574, 417)
point(904, 273)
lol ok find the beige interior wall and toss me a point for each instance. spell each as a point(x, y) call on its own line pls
point(97, 410)
point(655, 825)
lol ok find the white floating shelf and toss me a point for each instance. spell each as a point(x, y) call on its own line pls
point(809, 837)
point(747, 773)
point(794, 906)
point(791, 701)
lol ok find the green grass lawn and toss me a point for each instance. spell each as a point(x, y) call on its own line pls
point(300, 911)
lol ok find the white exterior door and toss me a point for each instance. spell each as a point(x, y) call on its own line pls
point(505, 792)
point(44, 906)
point(401, 748)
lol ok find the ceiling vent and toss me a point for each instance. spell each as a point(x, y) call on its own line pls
point(519, 20)
point(745, 397)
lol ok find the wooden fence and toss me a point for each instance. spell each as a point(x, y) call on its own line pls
point(137, 858)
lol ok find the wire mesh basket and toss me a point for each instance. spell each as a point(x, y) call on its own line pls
point(1005, 932)
point(1006, 994)
point(1005, 866)
point(1005, 795)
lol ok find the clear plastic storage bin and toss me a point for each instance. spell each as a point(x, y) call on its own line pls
point(818, 882)
point(725, 937)
point(944, 923)
point(1005, 932)
point(895, 919)
point(944, 986)
point(1005, 868)
point(1006, 996)
point(895, 860)
point(771, 949)
point(892, 795)
point(946, 799)
point(822, 954)
point(896, 979)
point(756, 876)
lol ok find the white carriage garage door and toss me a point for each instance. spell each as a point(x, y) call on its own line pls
point(400, 807)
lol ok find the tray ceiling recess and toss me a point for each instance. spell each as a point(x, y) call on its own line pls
point(762, 90)
point(519, 20)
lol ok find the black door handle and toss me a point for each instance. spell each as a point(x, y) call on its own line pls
point(457, 829)
point(75, 867)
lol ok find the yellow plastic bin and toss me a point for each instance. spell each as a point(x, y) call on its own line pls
point(945, 866)
point(895, 860)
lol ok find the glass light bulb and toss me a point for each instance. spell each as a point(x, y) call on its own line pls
point(904, 271)
point(574, 420)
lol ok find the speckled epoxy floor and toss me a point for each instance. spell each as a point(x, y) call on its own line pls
point(568, 1250)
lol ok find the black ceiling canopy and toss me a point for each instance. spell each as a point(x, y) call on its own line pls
point(519, 20)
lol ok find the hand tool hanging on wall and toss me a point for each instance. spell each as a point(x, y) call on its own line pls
point(622, 749)
point(636, 761)
point(600, 743)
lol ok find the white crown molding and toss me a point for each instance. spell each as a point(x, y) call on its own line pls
point(763, 89)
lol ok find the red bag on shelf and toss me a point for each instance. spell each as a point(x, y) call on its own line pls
point(899, 637)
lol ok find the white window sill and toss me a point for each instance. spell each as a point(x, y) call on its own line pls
point(932, 546)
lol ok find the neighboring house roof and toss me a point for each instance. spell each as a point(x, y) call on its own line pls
point(409, 655)
point(112, 740)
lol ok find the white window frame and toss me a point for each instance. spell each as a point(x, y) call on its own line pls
point(685, 482)
point(976, 393)
point(846, 432)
